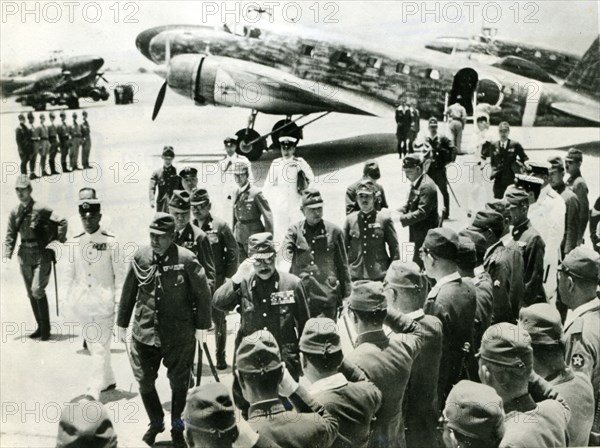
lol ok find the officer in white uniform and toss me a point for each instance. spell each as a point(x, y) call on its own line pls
point(547, 216)
point(94, 277)
point(227, 179)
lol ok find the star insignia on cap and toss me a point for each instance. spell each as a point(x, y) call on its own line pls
point(85, 205)
point(577, 360)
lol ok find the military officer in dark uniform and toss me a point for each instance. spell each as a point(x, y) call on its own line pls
point(170, 293)
point(38, 226)
point(507, 157)
point(371, 240)
point(576, 182)
point(44, 145)
point(420, 213)
point(453, 301)
point(386, 360)
point(577, 282)
point(23, 134)
point(53, 139)
point(370, 172)
point(191, 237)
point(530, 243)
point(64, 137)
point(439, 152)
point(403, 120)
point(406, 289)
point(317, 253)
point(268, 299)
point(166, 180)
point(353, 403)
point(225, 256)
point(249, 207)
point(86, 141)
point(189, 179)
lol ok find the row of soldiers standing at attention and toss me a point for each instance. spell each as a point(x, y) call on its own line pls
point(47, 140)
point(469, 292)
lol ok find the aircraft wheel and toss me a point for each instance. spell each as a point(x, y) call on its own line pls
point(73, 103)
point(292, 130)
point(254, 151)
point(39, 106)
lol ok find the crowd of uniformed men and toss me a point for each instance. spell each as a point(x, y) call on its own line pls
point(481, 333)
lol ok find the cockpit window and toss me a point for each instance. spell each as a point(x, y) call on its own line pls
point(374, 62)
point(308, 50)
point(403, 68)
point(341, 57)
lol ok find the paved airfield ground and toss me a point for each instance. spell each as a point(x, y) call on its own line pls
point(39, 377)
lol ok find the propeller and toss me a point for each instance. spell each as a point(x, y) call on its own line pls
point(159, 100)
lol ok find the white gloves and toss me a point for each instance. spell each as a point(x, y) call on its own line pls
point(199, 335)
point(288, 385)
point(248, 437)
point(244, 270)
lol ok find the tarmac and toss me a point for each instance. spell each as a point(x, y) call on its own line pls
point(39, 378)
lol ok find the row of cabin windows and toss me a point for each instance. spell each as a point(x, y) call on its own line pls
point(344, 57)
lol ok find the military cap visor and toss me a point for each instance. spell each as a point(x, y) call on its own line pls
point(162, 223)
point(188, 171)
point(230, 141)
point(412, 161)
point(507, 345)
point(538, 168)
point(311, 198)
point(180, 200)
point(89, 207)
point(433, 122)
point(574, 154)
point(199, 197)
point(261, 246)
point(287, 140)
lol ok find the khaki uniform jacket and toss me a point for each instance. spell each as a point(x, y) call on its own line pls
point(249, 206)
point(579, 187)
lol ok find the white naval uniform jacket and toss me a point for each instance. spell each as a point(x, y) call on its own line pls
point(94, 275)
point(547, 216)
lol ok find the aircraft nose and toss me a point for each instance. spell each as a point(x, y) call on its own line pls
point(97, 62)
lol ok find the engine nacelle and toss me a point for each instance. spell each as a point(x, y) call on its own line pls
point(489, 91)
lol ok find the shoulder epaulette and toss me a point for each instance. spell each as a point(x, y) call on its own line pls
point(81, 234)
point(107, 233)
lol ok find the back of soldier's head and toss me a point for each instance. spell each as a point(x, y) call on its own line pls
point(259, 364)
point(320, 344)
point(406, 285)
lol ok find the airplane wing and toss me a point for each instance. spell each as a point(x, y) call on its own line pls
point(587, 112)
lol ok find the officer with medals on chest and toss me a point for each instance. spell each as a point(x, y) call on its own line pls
point(225, 256)
point(164, 181)
point(316, 251)
point(191, 237)
point(171, 296)
point(268, 299)
point(371, 240)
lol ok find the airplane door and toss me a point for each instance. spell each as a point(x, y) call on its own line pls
point(465, 85)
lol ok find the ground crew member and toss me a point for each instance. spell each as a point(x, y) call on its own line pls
point(36, 139)
point(504, 262)
point(315, 251)
point(249, 207)
point(577, 282)
point(420, 213)
point(189, 179)
point(94, 277)
point(572, 215)
point(403, 119)
point(506, 364)
point(507, 157)
point(23, 136)
point(353, 404)
point(86, 141)
point(227, 179)
point(76, 135)
point(225, 256)
point(53, 139)
point(440, 152)
point(453, 301)
point(44, 145)
point(164, 181)
point(64, 137)
point(543, 323)
point(386, 360)
point(371, 240)
point(406, 290)
point(457, 118)
point(38, 226)
point(473, 416)
point(169, 291)
point(576, 182)
point(529, 242)
point(547, 216)
point(191, 237)
point(370, 172)
point(268, 299)
point(263, 378)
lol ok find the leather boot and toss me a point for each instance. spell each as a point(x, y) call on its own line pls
point(156, 415)
point(44, 318)
point(52, 164)
point(34, 306)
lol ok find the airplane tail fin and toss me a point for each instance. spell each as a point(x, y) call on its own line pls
point(584, 77)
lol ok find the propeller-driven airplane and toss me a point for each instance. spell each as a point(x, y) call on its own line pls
point(532, 61)
point(58, 80)
point(297, 71)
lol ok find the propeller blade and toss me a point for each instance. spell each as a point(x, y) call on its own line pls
point(159, 100)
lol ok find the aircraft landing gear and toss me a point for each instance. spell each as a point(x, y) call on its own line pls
point(39, 105)
point(249, 142)
point(285, 127)
point(73, 102)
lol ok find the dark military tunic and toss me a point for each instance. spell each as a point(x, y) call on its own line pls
point(248, 208)
point(504, 156)
point(532, 248)
point(166, 180)
point(24, 147)
point(371, 243)
point(577, 184)
point(64, 135)
point(420, 213)
point(352, 204)
point(319, 251)
point(442, 152)
point(54, 144)
point(504, 263)
point(194, 239)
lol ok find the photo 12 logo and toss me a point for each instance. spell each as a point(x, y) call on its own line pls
point(69, 12)
point(253, 12)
